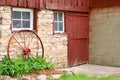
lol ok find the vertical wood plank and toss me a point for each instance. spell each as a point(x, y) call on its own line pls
point(42, 4)
point(49, 1)
point(22, 3)
point(37, 3)
point(8, 2)
point(11, 2)
point(74, 3)
point(87, 3)
point(79, 3)
point(62, 2)
point(54, 1)
point(2, 2)
point(31, 3)
point(68, 2)
point(35, 20)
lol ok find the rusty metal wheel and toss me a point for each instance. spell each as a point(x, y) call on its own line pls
point(25, 43)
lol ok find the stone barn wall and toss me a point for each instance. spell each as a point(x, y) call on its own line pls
point(104, 37)
point(55, 45)
point(5, 16)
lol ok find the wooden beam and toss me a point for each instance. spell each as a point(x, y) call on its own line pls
point(55, 6)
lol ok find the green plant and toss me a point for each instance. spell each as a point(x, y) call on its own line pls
point(19, 66)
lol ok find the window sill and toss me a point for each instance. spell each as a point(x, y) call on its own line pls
point(59, 32)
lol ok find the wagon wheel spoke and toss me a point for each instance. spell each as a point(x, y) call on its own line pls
point(25, 43)
point(29, 41)
point(18, 42)
point(23, 39)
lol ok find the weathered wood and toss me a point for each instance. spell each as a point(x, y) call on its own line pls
point(42, 4)
point(48, 0)
point(65, 8)
point(104, 3)
point(68, 2)
point(37, 3)
point(75, 3)
point(54, 1)
point(77, 30)
point(35, 20)
point(2, 2)
point(22, 3)
point(31, 3)
point(65, 5)
point(61, 2)
point(11, 3)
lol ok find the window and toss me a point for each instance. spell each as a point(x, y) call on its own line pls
point(22, 19)
point(58, 22)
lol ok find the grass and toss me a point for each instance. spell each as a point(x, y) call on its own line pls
point(84, 77)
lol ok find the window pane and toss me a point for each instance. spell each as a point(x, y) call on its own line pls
point(26, 24)
point(26, 15)
point(16, 15)
point(55, 16)
point(16, 24)
point(60, 17)
point(60, 26)
point(55, 26)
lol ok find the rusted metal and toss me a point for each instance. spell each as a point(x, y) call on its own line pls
point(24, 44)
point(26, 51)
point(77, 30)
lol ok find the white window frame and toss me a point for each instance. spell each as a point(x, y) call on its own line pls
point(58, 31)
point(31, 18)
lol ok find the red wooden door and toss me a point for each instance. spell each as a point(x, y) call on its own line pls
point(77, 30)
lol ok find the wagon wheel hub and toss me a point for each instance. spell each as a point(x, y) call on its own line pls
point(26, 51)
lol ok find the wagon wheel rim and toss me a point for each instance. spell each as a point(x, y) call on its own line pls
point(25, 43)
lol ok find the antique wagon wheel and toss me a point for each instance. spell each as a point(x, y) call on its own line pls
point(25, 43)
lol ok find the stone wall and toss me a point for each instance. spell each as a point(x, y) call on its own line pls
point(55, 45)
point(5, 16)
point(104, 37)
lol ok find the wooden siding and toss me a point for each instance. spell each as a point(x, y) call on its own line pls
point(104, 3)
point(64, 5)
point(68, 5)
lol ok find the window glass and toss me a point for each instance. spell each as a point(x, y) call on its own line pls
point(16, 24)
point(58, 22)
point(26, 24)
point(60, 17)
point(26, 15)
point(16, 15)
point(55, 16)
point(61, 26)
point(22, 19)
point(55, 26)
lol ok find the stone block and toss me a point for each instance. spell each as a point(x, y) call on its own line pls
point(6, 16)
point(42, 77)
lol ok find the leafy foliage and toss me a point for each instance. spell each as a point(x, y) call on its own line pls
point(19, 66)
